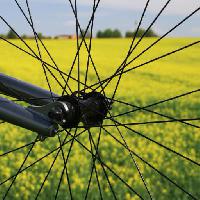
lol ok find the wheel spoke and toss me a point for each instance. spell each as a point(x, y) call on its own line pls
point(42, 185)
point(65, 163)
point(104, 170)
point(104, 165)
point(71, 145)
point(38, 48)
point(18, 36)
point(151, 166)
point(160, 57)
point(37, 38)
point(159, 144)
point(123, 71)
point(15, 177)
point(66, 171)
point(107, 80)
point(37, 161)
point(90, 46)
point(83, 37)
point(93, 164)
point(154, 104)
point(18, 148)
point(96, 172)
point(131, 155)
point(47, 64)
point(130, 49)
point(157, 113)
point(167, 33)
point(77, 47)
point(149, 27)
point(144, 123)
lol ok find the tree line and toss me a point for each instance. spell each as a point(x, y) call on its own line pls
point(9, 35)
point(12, 35)
point(116, 33)
point(107, 33)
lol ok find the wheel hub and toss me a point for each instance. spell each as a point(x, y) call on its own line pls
point(88, 108)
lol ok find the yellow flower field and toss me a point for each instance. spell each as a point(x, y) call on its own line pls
point(160, 80)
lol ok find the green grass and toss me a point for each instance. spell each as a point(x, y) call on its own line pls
point(163, 79)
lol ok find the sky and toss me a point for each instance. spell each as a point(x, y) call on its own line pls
point(55, 17)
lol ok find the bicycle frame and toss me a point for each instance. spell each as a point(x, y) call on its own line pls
point(45, 115)
point(25, 116)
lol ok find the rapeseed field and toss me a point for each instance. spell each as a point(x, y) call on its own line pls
point(160, 80)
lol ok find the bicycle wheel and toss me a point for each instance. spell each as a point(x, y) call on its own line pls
point(147, 146)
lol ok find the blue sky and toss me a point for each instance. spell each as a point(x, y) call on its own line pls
point(53, 17)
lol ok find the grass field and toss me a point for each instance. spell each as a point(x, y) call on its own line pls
point(160, 80)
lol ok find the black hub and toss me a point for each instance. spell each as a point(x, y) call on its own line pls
point(88, 108)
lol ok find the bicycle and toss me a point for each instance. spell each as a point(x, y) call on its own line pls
point(84, 117)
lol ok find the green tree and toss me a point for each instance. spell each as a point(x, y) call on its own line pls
point(11, 34)
point(129, 34)
point(149, 33)
point(40, 35)
point(107, 33)
point(140, 33)
point(2, 36)
point(116, 34)
point(99, 34)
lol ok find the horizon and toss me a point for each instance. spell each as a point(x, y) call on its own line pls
point(56, 18)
